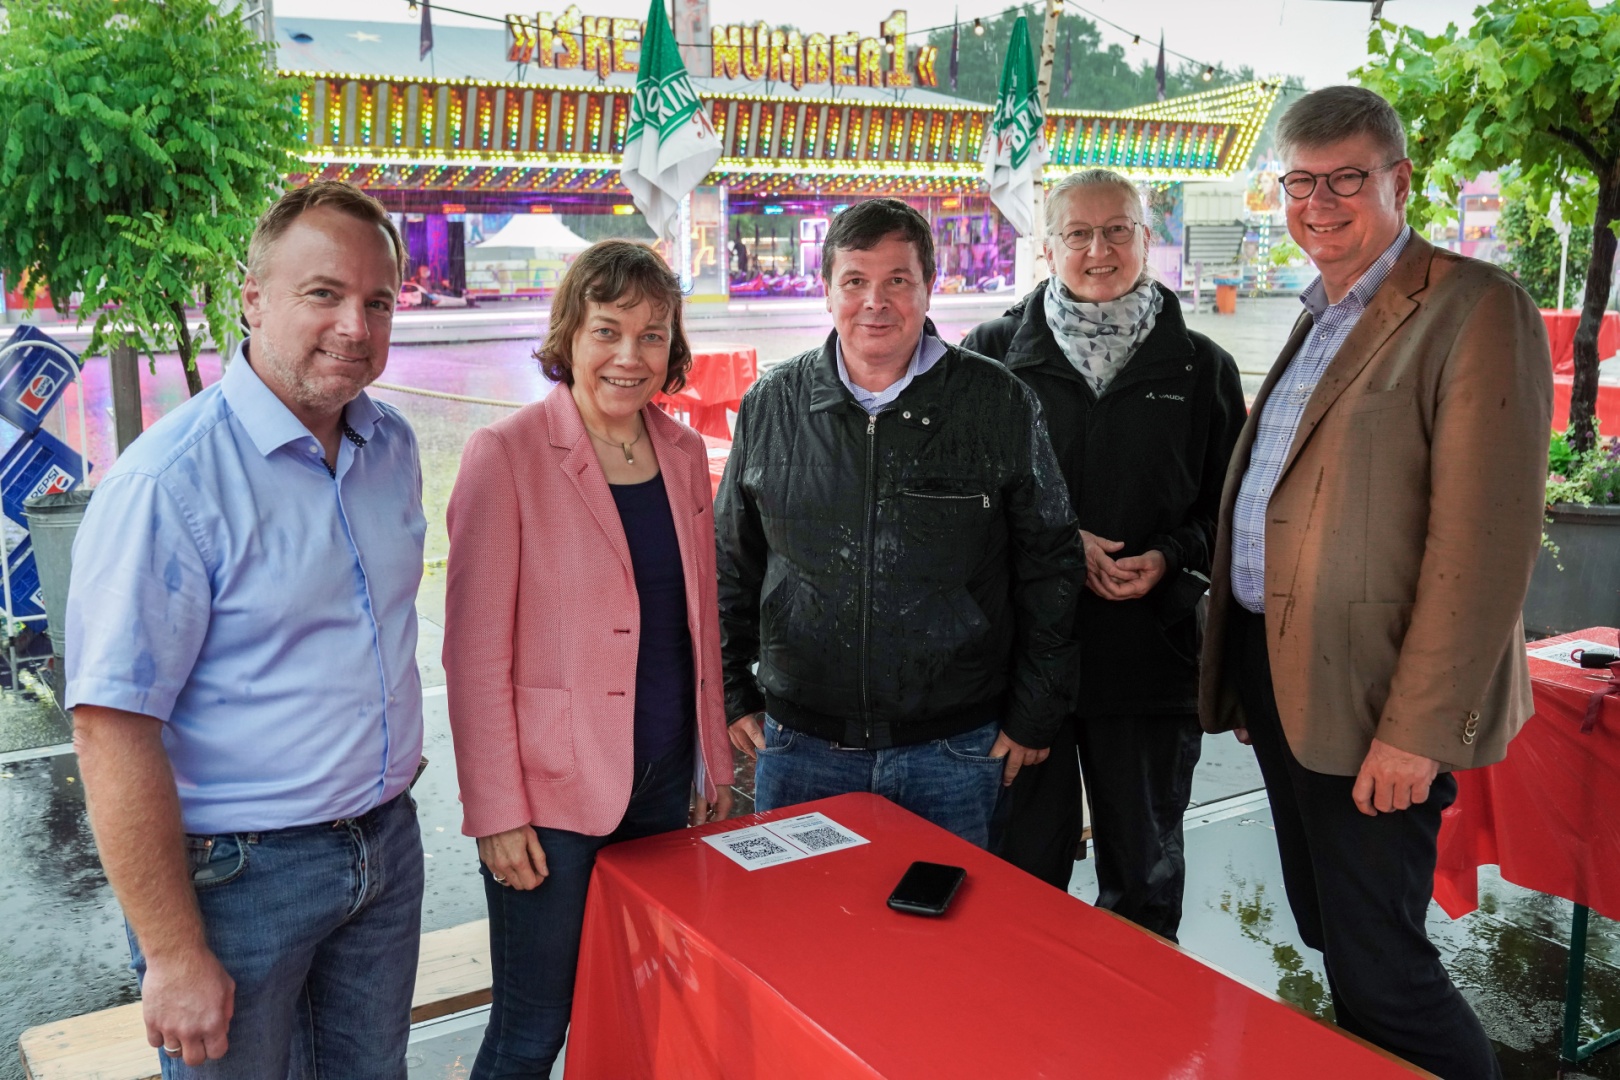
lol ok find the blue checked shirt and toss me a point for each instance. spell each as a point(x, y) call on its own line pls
point(263, 609)
point(1280, 416)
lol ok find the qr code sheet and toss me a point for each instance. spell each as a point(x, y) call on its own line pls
point(756, 847)
point(819, 839)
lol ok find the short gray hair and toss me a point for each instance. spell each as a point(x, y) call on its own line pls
point(1335, 113)
point(1086, 178)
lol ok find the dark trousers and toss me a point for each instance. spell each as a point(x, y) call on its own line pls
point(1359, 888)
point(534, 935)
point(1138, 779)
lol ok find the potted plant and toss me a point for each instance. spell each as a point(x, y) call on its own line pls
point(1576, 583)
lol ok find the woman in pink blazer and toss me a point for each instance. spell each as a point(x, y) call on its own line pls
point(582, 644)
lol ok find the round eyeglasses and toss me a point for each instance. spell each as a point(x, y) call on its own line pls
point(1343, 182)
point(1078, 239)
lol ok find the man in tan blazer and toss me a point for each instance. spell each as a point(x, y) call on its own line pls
point(1378, 527)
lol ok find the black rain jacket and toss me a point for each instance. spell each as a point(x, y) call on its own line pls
point(903, 577)
point(1145, 463)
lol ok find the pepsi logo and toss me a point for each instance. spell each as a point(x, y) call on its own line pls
point(55, 481)
point(37, 394)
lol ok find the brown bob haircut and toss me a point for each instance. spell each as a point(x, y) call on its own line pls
point(336, 194)
point(623, 273)
point(867, 224)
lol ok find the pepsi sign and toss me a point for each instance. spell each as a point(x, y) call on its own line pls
point(35, 369)
point(37, 464)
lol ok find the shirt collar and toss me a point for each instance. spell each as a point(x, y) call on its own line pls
point(268, 422)
point(1315, 295)
point(927, 353)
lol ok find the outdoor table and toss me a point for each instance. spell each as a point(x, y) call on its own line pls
point(1561, 326)
point(720, 375)
point(691, 965)
point(1545, 815)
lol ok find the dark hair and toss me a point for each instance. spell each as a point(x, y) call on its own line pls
point(867, 224)
point(1335, 113)
point(620, 272)
point(340, 196)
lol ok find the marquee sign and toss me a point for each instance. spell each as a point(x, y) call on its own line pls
point(759, 52)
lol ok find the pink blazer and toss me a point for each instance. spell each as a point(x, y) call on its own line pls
point(542, 623)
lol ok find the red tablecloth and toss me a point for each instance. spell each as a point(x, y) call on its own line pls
point(1546, 813)
point(720, 375)
point(692, 966)
point(1561, 326)
point(1608, 404)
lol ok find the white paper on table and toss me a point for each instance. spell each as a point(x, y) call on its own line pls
point(1559, 654)
point(816, 833)
point(783, 841)
point(754, 847)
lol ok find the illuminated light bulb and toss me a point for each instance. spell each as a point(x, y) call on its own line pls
point(978, 27)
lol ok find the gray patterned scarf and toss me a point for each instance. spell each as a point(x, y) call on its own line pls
point(1098, 339)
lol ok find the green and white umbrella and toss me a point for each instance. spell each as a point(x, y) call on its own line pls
point(1015, 143)
point(669, 144)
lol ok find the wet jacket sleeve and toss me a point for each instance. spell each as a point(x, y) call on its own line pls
point(1189, 548)
point(1047, 573)
point(740, 568)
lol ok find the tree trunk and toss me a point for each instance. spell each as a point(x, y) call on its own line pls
point(1599, 276)
point(188, 347)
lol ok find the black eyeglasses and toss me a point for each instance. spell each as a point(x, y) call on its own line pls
point(1078, 239)
point(1343, 182)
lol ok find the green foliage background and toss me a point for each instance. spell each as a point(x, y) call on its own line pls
point(1534, 250)
point(139, 142)
point(1104, 77)
point(1531, 86)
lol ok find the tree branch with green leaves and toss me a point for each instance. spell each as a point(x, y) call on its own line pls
point(1532, 88)
point(138, 145)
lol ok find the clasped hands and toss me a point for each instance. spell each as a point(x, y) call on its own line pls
point(1120, 579)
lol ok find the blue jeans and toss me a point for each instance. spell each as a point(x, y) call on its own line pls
point(950, 782)
point(534, 935)
point(320, 926)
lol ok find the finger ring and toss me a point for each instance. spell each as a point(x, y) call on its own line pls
point(498, 879)
point(172, 1051)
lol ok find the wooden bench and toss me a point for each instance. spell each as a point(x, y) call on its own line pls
point(451, 975)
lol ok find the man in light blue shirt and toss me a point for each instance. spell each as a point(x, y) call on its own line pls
point(241, 664)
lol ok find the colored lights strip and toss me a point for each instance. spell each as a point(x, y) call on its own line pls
point(1207, 134)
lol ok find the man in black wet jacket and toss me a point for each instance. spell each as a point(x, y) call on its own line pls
point(897, 553)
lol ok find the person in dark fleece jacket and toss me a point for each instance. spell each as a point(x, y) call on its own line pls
point(1143, 414)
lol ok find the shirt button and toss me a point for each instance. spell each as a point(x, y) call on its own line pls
point(391, 699)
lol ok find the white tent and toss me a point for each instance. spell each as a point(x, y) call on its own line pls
point(529, 236)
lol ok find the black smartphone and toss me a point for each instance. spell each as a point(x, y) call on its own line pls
point(927, 888)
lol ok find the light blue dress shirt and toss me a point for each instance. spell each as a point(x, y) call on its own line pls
point(929, 350)
point(1281, 414)
point(225, 583)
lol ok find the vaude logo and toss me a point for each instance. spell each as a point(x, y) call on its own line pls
point(1166, 397)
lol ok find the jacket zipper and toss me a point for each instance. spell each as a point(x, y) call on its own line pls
point(945, 498)
point(866, 573)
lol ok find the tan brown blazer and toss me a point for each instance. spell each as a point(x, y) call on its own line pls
point(1403, 528)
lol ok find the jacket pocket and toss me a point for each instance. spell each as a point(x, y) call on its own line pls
point(951, 501)
point(1377, 632)
point(545, 732)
